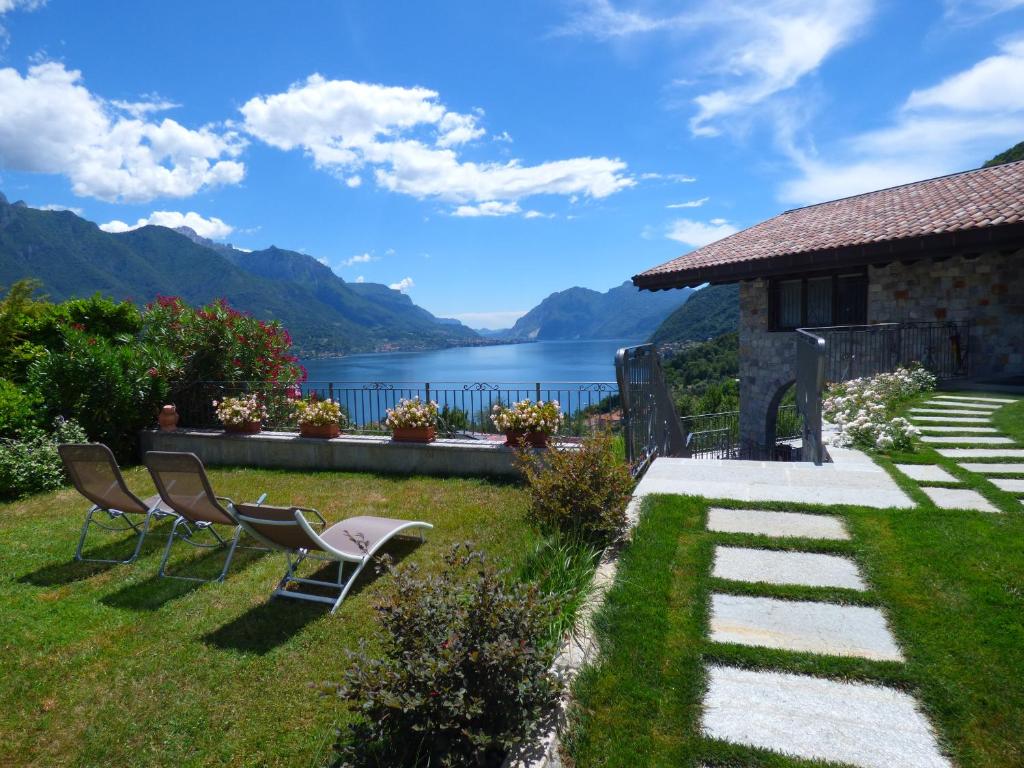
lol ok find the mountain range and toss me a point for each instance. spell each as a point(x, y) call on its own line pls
point(707, 314)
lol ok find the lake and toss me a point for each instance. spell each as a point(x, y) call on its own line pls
point(542, 361)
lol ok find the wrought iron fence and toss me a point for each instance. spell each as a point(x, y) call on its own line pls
point(717, 436)
point(651, 427)
point(464, 408)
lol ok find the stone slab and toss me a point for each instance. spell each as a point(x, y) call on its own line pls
point(966, 440)
point(1006, 484)
point(979, 399)
point(779, 524)
point(771, 567)
point(1004, 468)
point(941, 403)
point(982, 453)
point(861, 483)
point(836, 630)
point(870, 726)
point(947, 411)
point(926, 473)
point(959, 498)
point(965, 428)
point(951, 419)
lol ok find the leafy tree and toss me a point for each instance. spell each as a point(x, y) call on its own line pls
point(1013, 154)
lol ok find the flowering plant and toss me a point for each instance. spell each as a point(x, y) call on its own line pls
point(412, 413)
point(236, 411)
point(319, 413)
point(862, 408)
point(528, 416)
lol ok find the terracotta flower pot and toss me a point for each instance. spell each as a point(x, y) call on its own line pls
point(168, 418)
point(513, 438)
point(414, 434)
point(245, 428)
point(325, 431)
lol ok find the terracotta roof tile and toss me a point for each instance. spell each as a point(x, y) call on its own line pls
point(987, 197)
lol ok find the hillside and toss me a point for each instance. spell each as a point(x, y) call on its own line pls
point(73, 257)
point(581, 313)
point(707, 314)
point(1013, 154)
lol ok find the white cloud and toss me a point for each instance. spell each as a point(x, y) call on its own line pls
point(491, 320)
point(353, 181)
point(25, 5)
point(59, 207)
point(489, 208)
point(146, 106)
point(969, 11)
point(402, 285)
point(360, 279)
point(362, 258)
point(600, 19)
point(538, 215)
point(679, 178)
point(955, 124)
point(212, 228)
point(504, 137)
point(689, 203)
point(698, 233)
point(50, 123)
point(407, 136)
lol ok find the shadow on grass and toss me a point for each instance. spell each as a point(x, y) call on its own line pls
point(154, 592)
point(264, 627)
point(73, 570)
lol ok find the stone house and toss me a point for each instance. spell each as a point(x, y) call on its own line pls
point(941, 261)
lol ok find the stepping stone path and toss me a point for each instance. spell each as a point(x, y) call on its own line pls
point(953, 419)
point(982, 453)
point(993, 468)
point(1013, 486)
point(926, 473)
point(969, 399)
point(959, 428)
point(959, 498)
point(966, 440)
point(947, 411)
point(940, 403)
point(873, 726)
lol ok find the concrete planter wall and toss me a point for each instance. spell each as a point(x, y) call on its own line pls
point(349, 453)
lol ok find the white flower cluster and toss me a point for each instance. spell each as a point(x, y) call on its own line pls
point(528, 416)
point(412, 413)
point(236, 411)
point(319, 413)
point(862, 409)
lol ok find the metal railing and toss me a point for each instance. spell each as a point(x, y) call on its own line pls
point(841, 353)
point(717, 436)
point(464, 408)
point(651, 427)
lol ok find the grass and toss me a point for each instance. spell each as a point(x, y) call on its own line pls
point(951, 584)
point(111, 665)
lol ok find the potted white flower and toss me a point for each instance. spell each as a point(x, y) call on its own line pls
point(241, 415)
point(319, 418)
point(413, 421)
point(528, 421)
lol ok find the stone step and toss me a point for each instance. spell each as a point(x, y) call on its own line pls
point(947, 411)
point(926, 473)
point(870, 726)
point(951, 419)
point(959, 498)
point(941, 403)
point(966, 428)
point(982, 453)
point(1004, 468)
point(981, 399)
point(771, 567)
point(1006, 484)
point(837, 630)
point(966, 440)
point(779, 524)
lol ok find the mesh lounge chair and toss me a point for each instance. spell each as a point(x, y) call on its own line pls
point(183, 485)
point(355, 540)
point(94, 472)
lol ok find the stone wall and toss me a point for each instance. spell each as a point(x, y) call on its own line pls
point(987, 291)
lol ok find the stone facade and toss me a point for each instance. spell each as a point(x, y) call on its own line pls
point(987, 291)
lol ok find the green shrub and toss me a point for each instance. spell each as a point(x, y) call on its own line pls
point(18, 410)
point(31, 464)
point(581, 493)
point(464, 673)
point(562, 568)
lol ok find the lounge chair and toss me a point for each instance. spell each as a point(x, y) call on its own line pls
point(183, 485)
point(94, 472)
point(355, 540)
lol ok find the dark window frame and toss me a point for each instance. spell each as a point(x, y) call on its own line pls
point(859, 312)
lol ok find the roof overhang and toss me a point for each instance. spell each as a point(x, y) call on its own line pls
point(940, 245)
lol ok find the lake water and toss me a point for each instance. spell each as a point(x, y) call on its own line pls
point(542, 361)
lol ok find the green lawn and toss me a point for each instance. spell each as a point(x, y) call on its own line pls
point(951, 584)
point(110, 665)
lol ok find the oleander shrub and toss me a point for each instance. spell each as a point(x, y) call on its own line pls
point(31, 464)
point(18, 410)
point(462, 674)
point(580, 492)
point(864, 409)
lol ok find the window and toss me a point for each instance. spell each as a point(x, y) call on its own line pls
point(809, 302)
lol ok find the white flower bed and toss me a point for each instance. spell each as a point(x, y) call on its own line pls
point(862, 409)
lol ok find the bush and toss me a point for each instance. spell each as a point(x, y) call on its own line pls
point(464, 674)
point(562, 568)
point(31, 464)
point(864, 409)
point(580, 493)
point(17, 410)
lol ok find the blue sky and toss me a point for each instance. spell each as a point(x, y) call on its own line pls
point(481, 155)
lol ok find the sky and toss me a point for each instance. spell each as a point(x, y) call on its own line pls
point(479, 156)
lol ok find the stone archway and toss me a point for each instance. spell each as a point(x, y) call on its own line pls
point(771, 416)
